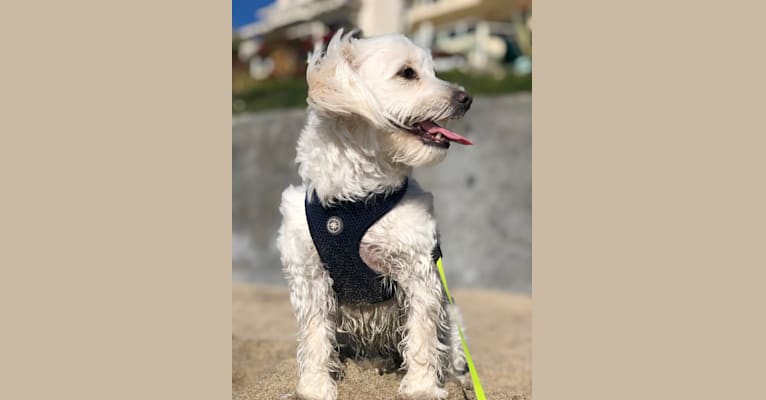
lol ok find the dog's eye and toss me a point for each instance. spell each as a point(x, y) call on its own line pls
point(408, 73)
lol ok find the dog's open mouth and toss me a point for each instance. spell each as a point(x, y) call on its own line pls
point(431, 133)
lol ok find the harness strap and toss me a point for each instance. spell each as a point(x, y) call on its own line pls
point(337, 232)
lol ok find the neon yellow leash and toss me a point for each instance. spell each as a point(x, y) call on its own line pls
point(477, 389)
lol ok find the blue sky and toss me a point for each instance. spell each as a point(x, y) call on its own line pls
point(243, 11)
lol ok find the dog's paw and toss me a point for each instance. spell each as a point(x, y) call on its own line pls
point(318, 386)
point(434, 393)
point(385, 366)
point(296, 396)
point(293, 396)
point(464, 380)
point(420, 387)
point(422, 396)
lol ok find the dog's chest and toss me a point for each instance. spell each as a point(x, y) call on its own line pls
point(390, 248)
point(337, 231)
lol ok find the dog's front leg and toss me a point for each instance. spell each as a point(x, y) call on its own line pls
point(458, 365)
point(423, 352)
point(314, 303)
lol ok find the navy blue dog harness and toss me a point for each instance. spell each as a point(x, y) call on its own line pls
point(337, 232)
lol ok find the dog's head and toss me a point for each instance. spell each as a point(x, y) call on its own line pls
point(390, 83)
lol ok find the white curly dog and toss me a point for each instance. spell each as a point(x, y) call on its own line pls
point(374, 110)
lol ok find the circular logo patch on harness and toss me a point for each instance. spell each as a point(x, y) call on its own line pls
point(334, 225)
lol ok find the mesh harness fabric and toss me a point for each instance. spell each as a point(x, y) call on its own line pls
point(337, 231)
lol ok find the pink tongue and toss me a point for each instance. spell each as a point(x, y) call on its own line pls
point(433, 129)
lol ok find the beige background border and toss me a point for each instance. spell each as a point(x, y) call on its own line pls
point(115, 218)
point(648, 193)
point(648, 200)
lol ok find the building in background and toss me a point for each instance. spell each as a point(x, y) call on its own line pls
point(471, 34)
point(482, 35)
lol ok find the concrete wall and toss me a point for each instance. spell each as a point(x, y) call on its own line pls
point(482, 194)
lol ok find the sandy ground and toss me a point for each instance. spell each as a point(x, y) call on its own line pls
point(498, 327)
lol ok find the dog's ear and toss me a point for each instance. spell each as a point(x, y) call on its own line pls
point(334, 84)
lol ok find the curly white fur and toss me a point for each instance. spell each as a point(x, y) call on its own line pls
point(351, 147)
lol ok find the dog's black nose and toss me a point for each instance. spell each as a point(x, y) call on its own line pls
point(463, 98)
